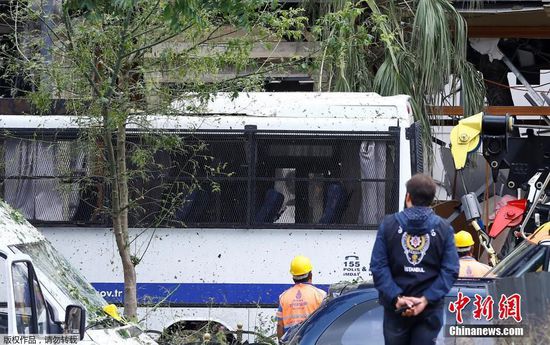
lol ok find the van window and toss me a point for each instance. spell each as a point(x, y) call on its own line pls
point(22, 298)
point(41, 309)
point(30, 307)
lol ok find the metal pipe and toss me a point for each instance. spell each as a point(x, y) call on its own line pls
point(534, 94)
point(535, 202)
point(532, 126)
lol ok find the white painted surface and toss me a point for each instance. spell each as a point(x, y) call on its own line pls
point(214, 255)
point(518, 90)
point(279, 111)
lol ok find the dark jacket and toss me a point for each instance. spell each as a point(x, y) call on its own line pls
point(414, 255)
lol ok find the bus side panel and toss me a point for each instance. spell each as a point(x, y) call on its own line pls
point(215, 267)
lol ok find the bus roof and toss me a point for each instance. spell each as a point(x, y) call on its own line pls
point(14, 229)
point(274, 111)
point(300, 105)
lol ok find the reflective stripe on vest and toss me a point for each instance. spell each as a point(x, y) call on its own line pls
point(298, 302)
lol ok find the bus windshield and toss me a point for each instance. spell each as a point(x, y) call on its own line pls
point(66, 281)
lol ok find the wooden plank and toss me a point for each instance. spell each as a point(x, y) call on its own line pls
point(22, 106)
point(494, 110)
point(509, 31)
point(275, 50)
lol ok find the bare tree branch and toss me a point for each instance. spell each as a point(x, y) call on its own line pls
point(140, 24)
point(157, 41)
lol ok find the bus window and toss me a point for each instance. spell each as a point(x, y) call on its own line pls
point(337, 180)
point(226, 179)
point(207, 184)
point(41, 178)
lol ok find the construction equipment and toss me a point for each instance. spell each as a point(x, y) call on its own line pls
point(509, 216)
point(472, 211)
point(505, 145)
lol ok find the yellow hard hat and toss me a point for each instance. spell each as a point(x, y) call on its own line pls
point(300, 266)
point(463, 239)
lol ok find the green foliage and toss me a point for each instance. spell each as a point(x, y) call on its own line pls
point(17, 217)
point(106, 57)
point(288, 23)
point(135, 260)
point(109, 54)
point(395, 47)
point(346, 42)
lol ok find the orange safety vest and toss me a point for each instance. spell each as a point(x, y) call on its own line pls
point(471, 268)
point(297, 303)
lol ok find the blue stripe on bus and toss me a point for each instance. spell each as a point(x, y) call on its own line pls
point(197, 293)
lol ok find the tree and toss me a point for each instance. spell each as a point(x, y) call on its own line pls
point(102, 56)
point(398, 47)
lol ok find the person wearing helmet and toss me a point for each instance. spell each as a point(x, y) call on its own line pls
point(414, 264)
point(469, 267)
point(301, 300)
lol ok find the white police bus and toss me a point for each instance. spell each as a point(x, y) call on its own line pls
point(311, 174)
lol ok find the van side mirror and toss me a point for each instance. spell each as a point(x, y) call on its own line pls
point(75, 320)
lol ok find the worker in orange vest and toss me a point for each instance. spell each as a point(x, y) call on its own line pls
point(301, 300)
point(469, 266)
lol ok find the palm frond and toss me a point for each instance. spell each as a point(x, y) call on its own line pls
point(432, 44)
point(472, 87)
point(415, 48)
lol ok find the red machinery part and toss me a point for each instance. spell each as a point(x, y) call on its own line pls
point(509, 215)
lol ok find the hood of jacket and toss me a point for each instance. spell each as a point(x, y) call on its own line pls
point(416, 220)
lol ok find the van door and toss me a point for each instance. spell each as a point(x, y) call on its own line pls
point(3, 295)
point(27, 311)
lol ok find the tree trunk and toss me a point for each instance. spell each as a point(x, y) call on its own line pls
point(130, 290)
point(116, 160)
point(120, 228)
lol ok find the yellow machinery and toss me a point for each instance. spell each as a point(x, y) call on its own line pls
point(466, 137)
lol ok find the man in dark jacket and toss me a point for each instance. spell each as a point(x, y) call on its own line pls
point(414, 264)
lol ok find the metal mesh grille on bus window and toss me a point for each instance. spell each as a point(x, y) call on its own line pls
point(225, 179)
point(207, 185)
point(47, 180)
point(414, 135)
point(325, 180)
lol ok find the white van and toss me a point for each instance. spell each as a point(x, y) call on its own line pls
point(310, 173)
point(43, 297)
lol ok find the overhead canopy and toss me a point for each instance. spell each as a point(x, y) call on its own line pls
point(505, 18)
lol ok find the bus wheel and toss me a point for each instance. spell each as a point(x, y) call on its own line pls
point(192, 332)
